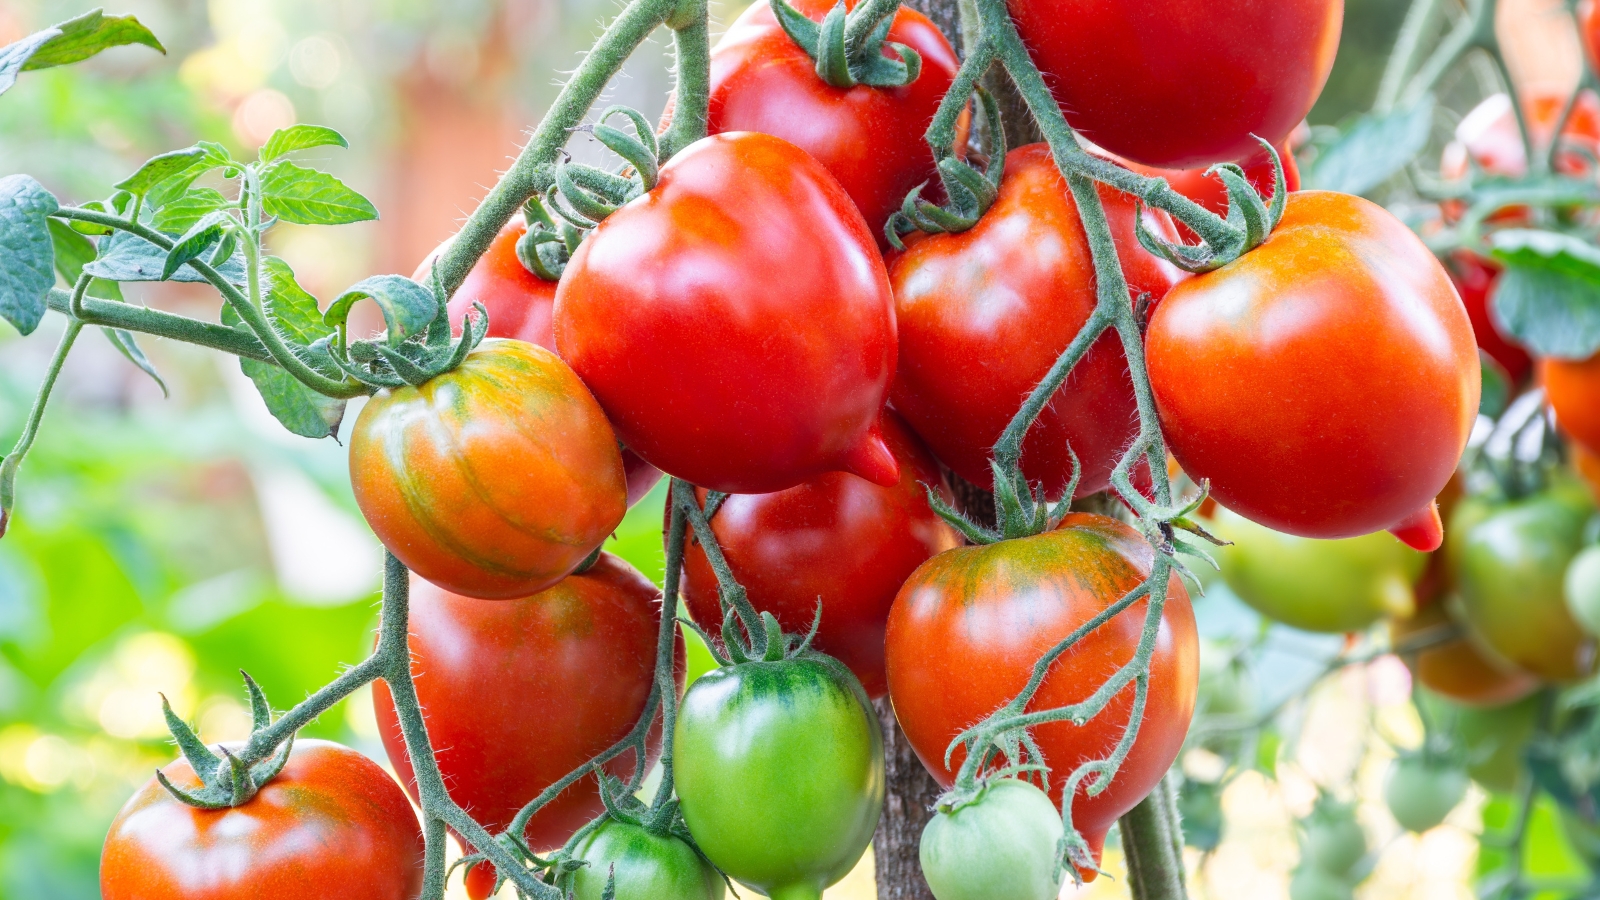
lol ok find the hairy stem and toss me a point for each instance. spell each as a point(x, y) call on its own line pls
point(30, 429)
point(145, 320)
point(1407, 46)
point(692, 90)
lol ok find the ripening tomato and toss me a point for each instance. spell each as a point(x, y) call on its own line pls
point(1326, 381)
point(838, 540)
point(1182, 83)
point(736, 322)
point(1456, 668)
point(969, 625)
point(1002, 844)
point(1210, 192)
point(492, 480)
point(869, 138)
point(331, 824)
point(518, 693)
point(1573, 389)
point(645, 865)
point(1474, 278)
point(984, 314)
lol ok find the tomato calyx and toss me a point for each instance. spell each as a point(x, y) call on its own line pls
point(230, 779)
point(548, 244)
point(418, 344)
point(1251, 217)
point(971, 192)
point(848, 45)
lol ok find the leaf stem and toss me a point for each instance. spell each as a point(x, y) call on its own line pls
point(145, 320)
point(30, 429)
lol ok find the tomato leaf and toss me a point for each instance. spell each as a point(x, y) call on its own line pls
point(1372, 149)
point(73, 252)
point(15, 55)
point(297, 407)
point(1548, 298)
point(128, 257)
point(407, 307)
point(27, 253)
point(288, 305)
point(195, 241)
point(129, 347)
point(300, 137)
point(309, 197)
point(157, 169)
point(71, 41)
point(193, 205)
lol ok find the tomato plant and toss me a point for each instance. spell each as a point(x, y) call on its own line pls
point(1209, 191)
point(1001, 843)
point(641, 863)
point(330, 821)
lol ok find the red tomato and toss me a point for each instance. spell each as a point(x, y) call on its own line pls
point(331, 824)
point(869, 138)
point(983, 315)
point(456, 483)
point(1474, 278)
point(736, 322)
point(838, 540)
point(968, 626)
point(1210, 192)
point(1324, 382)
point(519, 693)
point(1488, 136)
point(1589, 27)
point(1573, 389)
point(1182, 83)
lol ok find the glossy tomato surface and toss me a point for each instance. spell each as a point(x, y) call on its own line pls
point(519, 693)
point(492, 480)
point(984, 314)
point(1573, 389)
point(969, 625)
point(869, 138)
point(736, 322)
point(1325, 382)
point(518, 301)
point(331, 824)
point(837, 539)
point(1182, 83)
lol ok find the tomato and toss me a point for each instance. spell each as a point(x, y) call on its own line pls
point(1589, 28)
point(1586, 465)
point(644, 864)
point(519, 693)
point(1491, 739)
point(983, 314)
point(1000, 845)
point(1509, 561)
point(1474, 278)
point(455, 480)
point(1581, 587)
point(837, 539)
point(1311, 883)
point(1489, 138)
point(1331, 840)
point(968, 626)
point(736, 322)
point(869, 138)
point(332, 823)
point(1325, 383)
point(779, 770)
point(1421, 793)
point(1210, 192)
point(1316, 585)
point(1182, 83)
point(1457, 669)
point(1573, 389)
point(479, 881)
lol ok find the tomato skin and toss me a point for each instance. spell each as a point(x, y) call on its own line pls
point(1589, 29)
point(521, 692)
point(455, 484)
point(1581, 587)
point(1002, 845)
point(1509, 562)
point(869, 138)
point(1325, 400)
point(647, 866)
point(772, 380)
point(1420, 794)
point(1573, 389)
point(1475, 278)
point(968, 626)
point(779, 769)
point(837, 538)
point(332, 823)
point(1457, 669)
point(1191, 85)
point(983, 315)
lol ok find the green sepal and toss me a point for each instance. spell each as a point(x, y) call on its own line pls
point(260, 711)
point(532, 259)
point(975, 534)
point(639, 149)
point(730, 636)
point(241, 787)
point(201, 799)
point(200, 757)
point(1245, 208)
point(799, 27)
point(407, 307)
point(590, 208)
point(775, 643)
point(833, 60)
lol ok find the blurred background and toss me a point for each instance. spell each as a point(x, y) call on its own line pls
point(163, 543)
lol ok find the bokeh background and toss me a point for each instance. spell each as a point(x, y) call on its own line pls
point(163, 543)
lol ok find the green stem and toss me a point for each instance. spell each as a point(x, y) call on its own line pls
point(30, 429)
point(1152, 840)
point(865, 17)
point(666, 647)
point(1407, 46)
point(692, 91)
point(145, 320)
point(1464, 36)
point(729, 590)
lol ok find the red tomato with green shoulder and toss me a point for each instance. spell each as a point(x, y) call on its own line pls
point(736, 322)
point(984, 314)
point(869, 138)
point(1325, 382)
point(1182, 83)
point(969, 625)
point(331, 824)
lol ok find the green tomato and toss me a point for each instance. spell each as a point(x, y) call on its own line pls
point(1312, 883)
point(1493, 740)
point(1001, 846)
point(1316, 585)
point(1582, 588)
point(1421, 793)
point(779, 769)
point(1509, 562)
point(1332, 839)
point(647, 866)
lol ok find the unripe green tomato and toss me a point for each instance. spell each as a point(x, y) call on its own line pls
point(1316, 585)
point(1493, 739)
point(647, 866)
point(1582, 584)
point(1333, 840)
point(779, 769)
point(1312, 883)
point(1421, 793)
point(1001, 846)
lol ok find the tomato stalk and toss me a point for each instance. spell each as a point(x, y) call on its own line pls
point(12, 460)
point(730, 591)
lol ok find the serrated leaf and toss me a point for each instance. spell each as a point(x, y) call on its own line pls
point(407, 307)
point(300, 137)
point(213, 156)
point(195, 241)
point(128, 257)
point(1373, 149)
point(294, 309)
point(73, 252)
point(125, 342)
point(180, 215)
point(297, 407)
point(15, 55)
point(309, 197)
point(157, 169)
point(27, 253)
point(1548, 297)
point(88, 34)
